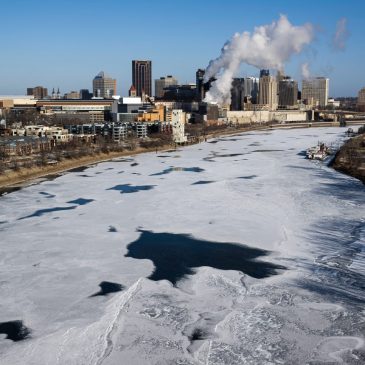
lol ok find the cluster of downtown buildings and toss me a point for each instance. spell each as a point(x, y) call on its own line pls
point(253, 99)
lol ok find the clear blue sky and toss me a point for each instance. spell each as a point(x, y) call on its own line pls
point(66, 43)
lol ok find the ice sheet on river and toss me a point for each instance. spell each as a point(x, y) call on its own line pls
point(299, 215)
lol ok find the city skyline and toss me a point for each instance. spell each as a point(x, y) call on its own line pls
point(67, 56)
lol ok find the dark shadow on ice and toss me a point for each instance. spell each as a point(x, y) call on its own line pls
point(80, 201)
point(15, 330)
point(177, 255)
point(248, 177)
point(128, 188)
point(107, 287)
point(41, 212)
point(202, 182)
point(171, 169)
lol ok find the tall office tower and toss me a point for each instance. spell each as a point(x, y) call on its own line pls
point(237, 94)
point(264, 73)
point(200, 91)
point(361, 100)
point(104, 86)
point(288, 92)
point(315, 91)
point(268, 92)
point(39, 92)
point(252, 89)
point(142, 77)
point(163, 82)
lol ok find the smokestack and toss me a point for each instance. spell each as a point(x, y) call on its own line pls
point(268, 47)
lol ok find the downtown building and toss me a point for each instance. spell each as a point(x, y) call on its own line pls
point(268, 91)
point(39, 92)
point(162, 83)
point(142, 77)
point(288, 93)
point(315, 91)
point(237, 94)
point(104, 86)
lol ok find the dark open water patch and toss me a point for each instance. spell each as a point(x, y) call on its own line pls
point(128, 188)
point(198, 334)
point(40, 212)
point(79, 169)
point(80, 201)
point(122, 160)
point(248, 177)
point(268, 150)
point(202, 182)
point(112, 229)
point(177, 255)
point(107, 287)
point(15, 330)
point(228, 155)
point(171, 169)
point(9, 189)
point(47, 195)
point(302, 153)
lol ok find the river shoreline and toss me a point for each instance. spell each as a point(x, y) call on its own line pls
point(350, 159)
point(15, 180)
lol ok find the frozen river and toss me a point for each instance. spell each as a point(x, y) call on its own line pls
point(234, 251)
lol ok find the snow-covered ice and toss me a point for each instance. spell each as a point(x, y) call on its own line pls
point(76, 267)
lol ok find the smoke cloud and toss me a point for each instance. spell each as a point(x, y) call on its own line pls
point(305, 71)
point(269, 46)
point(341, 35)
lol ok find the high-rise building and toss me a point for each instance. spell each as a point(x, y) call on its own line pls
point(361, 100)
point(264, 73)
point(39, 92)
point(268, 92)
point(288, 92)
point(162, 83)
point(252, 89)
point(142, 77)
point(315, 91)
point(200, 84)
point(104, 86)
point(237, 93)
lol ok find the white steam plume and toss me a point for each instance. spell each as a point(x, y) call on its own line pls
point(269, 47)
point(341, 35)
point(305, 71)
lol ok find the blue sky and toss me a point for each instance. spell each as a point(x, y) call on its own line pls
point(66, 43)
